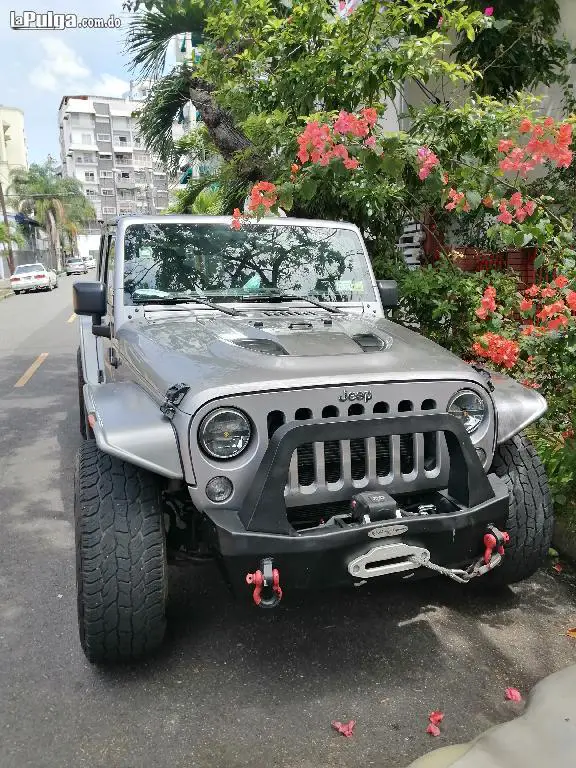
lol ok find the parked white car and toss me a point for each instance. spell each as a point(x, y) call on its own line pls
point(33, 277)
point(76, 267)
point(90, 262)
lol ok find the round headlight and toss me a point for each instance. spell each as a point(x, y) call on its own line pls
point(224, 433)
point(470, 408)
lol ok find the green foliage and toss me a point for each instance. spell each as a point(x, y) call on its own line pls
point(520, 51)
point(440, 301)
point(11, 235)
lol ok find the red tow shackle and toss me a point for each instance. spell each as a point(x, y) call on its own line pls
point(266, 580)
point(494, 540)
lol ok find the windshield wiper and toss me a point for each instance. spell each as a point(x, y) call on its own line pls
point(184, 299)
point(281, 296)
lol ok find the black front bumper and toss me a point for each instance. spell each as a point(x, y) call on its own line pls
point(321, 556)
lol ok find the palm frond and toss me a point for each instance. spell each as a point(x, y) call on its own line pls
point(163, 103)
point(150, 33)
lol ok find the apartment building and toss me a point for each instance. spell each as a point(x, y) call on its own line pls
point(100, 147)
point(13, 148)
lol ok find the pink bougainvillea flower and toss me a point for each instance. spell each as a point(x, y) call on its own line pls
point(525, 126)
point(548, 293)
point(436, 717)
point(557, 323)
point(505, 145)
point(433, 730)
point(370, 142)
point(571, 300)
point(529, 207)
point(498, 349)
point(513, 694)
point(505, 217)
point(516, 199)
point(370, 115)
point(533, 291)
point(561, 281)
point(236, 223)
point(346, 729)
point(489, 11)
point(350, 163)
point(526, 305)
point(440, 21)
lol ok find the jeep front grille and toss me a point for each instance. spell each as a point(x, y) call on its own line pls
point(320, 468)
point(325, 474)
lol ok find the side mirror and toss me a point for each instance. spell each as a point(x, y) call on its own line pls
point(89, 299)
point(388, 290)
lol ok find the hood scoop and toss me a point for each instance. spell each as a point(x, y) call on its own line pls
point(369, 342)
point(263, 346)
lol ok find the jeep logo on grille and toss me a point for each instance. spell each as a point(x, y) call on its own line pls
point(362, 397)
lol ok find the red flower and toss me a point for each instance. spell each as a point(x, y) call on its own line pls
point(525, 126)
point(561, 281)
point(513, 694)
point(262, 194)
point(558, 322)
point(436, 717)
point(370, 115)
point(346, 729)
point(488, 201)
point(498, 349)
point(533, 291)
point(548, 293)
point(294, 168)
point(529, 207)
point(489, 11)
point(370, 142)
point(516, 199)
point(433, 730)
point(571, 300)
point(236, 223)
point(350, 163)
point(427, 161)
point(526, 305)
point(527, 330)
point(505, 145)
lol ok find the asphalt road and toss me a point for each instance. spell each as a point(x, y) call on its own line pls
point(234, 686)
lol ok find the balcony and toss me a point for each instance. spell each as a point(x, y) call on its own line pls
point(125, 183)
point(124, 161)
point(120, 146)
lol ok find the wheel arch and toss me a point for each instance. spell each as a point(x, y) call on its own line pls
point(128, 424)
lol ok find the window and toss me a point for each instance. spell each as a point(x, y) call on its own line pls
point(79, 159)
point(91, 193)
point(103, 137)
point(87, 138)
point(125, 175)
point(108, 192)
point(106, 174)
point(101, 119)
point(89, 175)
point(324, 262)
point(108, 211)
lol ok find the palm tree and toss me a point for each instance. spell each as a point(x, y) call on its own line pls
point(55, 202)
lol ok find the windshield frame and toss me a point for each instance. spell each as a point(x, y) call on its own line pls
point(372, 306)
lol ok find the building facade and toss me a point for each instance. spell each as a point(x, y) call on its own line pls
point(13, 147)
point(100, 147)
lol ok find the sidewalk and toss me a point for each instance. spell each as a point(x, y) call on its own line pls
point(5, 289)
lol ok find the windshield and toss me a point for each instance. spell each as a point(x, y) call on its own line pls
point(25, 269)
point(326, 263)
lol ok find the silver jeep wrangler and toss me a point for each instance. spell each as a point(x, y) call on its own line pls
point(243, 397)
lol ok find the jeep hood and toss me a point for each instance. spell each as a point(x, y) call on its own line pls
point(274, 349)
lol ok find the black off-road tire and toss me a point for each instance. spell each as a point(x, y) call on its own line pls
point(121, 565)
point(531, 517)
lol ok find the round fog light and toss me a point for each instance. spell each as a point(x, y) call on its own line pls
point(219, 489)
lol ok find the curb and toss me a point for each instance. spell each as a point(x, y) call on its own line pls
point(564, 539)
point(5, 292)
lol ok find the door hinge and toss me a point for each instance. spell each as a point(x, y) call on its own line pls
point(174, 396)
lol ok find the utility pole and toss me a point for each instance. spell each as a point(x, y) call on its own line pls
point(9, 244)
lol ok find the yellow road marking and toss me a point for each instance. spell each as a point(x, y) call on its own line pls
point(71, 318)
point(25, 378)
